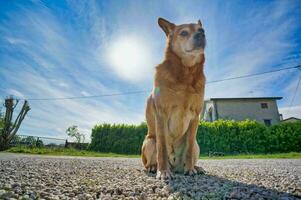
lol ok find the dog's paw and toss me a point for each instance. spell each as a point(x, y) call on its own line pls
point(164, 174)
point(190, 172)
point(151, 169)
point(199, 170)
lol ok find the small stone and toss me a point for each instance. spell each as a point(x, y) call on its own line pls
point(132, 194)
point(171, 197)
point(16, 185)
point(44, 194)
point(2, 192)
point(7, 195)
point(118, 191)
point(18, 190)
point(157, 190)
point(185, 197)
point(7, 186)
point(81, 197)
point(25, 197)
point(71, 194)
point(167, 188)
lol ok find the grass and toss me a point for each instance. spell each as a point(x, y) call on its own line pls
point(291, 155)
point(65, 152)
point(74, 152)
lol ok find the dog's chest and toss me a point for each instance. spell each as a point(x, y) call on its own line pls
point(179, 121)
point(180, 118)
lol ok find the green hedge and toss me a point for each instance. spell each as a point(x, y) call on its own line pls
point(229, 137)
point(118, 138)
point(232, 137)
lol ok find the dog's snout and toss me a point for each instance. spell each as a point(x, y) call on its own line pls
point(198, 36)
point(201, 31)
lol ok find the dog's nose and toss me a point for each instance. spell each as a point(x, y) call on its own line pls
point(199, 35)
point(201, 30)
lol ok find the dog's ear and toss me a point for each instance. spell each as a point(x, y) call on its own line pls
point(166, 26)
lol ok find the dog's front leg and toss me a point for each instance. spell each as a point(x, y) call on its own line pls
point(192, 148)
point(163, 171)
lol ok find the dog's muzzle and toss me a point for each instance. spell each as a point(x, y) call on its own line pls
point(199, 39)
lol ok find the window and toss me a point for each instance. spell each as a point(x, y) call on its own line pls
point(267, 122)
point(264, 105)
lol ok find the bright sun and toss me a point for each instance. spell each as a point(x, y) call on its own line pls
point(130, 58)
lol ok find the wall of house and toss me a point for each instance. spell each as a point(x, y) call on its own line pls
point(248, 109)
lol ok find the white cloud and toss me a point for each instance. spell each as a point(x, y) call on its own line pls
point(16, 41)
point(294, 111)
point(84, 93)
point(16, 93)
point(63, 84)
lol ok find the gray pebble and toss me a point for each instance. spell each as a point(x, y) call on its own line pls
point(42, 177)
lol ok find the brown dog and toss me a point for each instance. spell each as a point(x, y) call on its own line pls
point(172, 111)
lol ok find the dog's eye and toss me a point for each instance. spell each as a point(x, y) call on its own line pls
point(184, 33)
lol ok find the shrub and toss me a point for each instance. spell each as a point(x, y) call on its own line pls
point(232, 137)
point(229, 137)
point(118, 138)
point(285, 138)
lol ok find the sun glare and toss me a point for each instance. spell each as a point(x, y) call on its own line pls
point(129, 58)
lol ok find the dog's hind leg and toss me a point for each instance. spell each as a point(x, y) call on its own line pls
point(149, 152)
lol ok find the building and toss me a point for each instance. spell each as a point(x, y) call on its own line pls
point(261, 109)
point(291, 119)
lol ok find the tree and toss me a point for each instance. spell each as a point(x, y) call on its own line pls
point(39, 143)
point(8, 128)
point(73, 132)
point(1, 121)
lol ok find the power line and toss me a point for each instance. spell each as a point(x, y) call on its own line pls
point(296, 90)
point(86, 97)
point(256, 74)
point(145, 91)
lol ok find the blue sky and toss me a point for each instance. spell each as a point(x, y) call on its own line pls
point(72, 48)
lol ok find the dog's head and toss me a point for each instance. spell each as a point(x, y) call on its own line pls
point(187, 41)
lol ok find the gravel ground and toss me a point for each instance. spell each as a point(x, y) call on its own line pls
point(46, 177)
